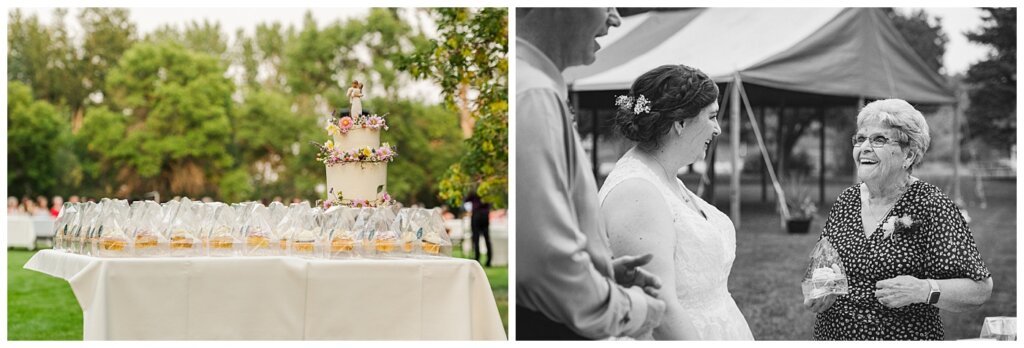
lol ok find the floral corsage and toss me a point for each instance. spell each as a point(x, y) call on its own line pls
point(897, 226)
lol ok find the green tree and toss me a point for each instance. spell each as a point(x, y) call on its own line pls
point(321, 60)
point(428, 141)
point(38, 142)
point(109, 32)
point(45, 58)
point(203, 37)
point(270, 41)
point(992, 114)
point(265, 152)
point(169, 127)
point(929, 41)
point(470, 62)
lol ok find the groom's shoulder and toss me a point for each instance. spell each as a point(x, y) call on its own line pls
point(532, 79)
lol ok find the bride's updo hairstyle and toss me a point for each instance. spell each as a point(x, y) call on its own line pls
point(673, 93)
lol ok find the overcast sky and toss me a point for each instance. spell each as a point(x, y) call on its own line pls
point(955, 21)
point(960, 53)
point(230, 19)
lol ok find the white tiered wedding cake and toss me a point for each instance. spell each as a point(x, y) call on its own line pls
point(357, 163)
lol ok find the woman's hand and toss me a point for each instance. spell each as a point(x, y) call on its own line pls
point(901, 291)
point(821, 304)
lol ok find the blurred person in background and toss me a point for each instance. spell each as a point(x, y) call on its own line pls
point(43, 204)
point(480, 224)
point(12, 206)
point(58, 202)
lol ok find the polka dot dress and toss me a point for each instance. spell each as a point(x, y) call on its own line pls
point(937, 244)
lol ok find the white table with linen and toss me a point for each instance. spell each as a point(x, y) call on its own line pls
point(277, 298)
point(21, 232)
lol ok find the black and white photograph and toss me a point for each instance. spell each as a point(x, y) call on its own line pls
point(765, 174)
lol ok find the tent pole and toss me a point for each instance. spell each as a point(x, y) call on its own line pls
point(860, 105)
point(734, 130)
point(764, 168)
point(778, 138)
point(821, 157)
point(764, 156)
point(957, 197)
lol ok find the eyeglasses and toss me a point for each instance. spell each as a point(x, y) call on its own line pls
point(877, 141)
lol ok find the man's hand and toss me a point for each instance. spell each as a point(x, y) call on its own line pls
point(628, 273)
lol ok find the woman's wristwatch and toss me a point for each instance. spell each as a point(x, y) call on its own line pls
point(934, 292)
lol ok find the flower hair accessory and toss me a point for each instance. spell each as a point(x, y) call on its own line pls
point(641, 106)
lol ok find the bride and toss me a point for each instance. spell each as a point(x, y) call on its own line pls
point(671, 112)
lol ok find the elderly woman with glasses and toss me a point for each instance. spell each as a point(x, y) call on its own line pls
point(906, 248)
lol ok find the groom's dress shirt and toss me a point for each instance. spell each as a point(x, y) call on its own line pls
point(563, 259)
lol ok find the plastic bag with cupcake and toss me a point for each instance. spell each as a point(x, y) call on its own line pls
point(825, 274)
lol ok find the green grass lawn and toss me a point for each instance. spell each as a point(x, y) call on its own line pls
point(41, 307)
point(765, 279)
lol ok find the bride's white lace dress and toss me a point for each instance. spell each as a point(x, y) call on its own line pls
point(704, 253)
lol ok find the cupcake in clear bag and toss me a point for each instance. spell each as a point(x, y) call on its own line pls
point(204, 213)
point(340, 238)
point(112, 239)
point(257, 232)
point(63, 224)
point(363, 231)
point(303, 231)
point(183, 232)
point(223, 234)
point(825, 274)
point(79, 235)
point(410, 239)
point(435, 237)
point(144, 228)
point(92, 228)
point(380, 234)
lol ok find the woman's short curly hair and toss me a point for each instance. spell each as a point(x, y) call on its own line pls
point(675, 92)
point(910, 126)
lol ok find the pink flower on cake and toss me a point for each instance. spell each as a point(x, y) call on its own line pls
point(385, 153)
point(345, 123)
point(375, 122)
point(385, 197)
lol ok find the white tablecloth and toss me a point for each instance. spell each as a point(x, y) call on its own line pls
point(20, 232)
point(270, 298)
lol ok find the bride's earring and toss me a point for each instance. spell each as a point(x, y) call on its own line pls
point(679, 128)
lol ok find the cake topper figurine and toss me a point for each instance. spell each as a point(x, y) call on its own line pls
point(355, 95)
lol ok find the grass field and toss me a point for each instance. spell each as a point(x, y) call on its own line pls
point(765, 279)
point(40, 307)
